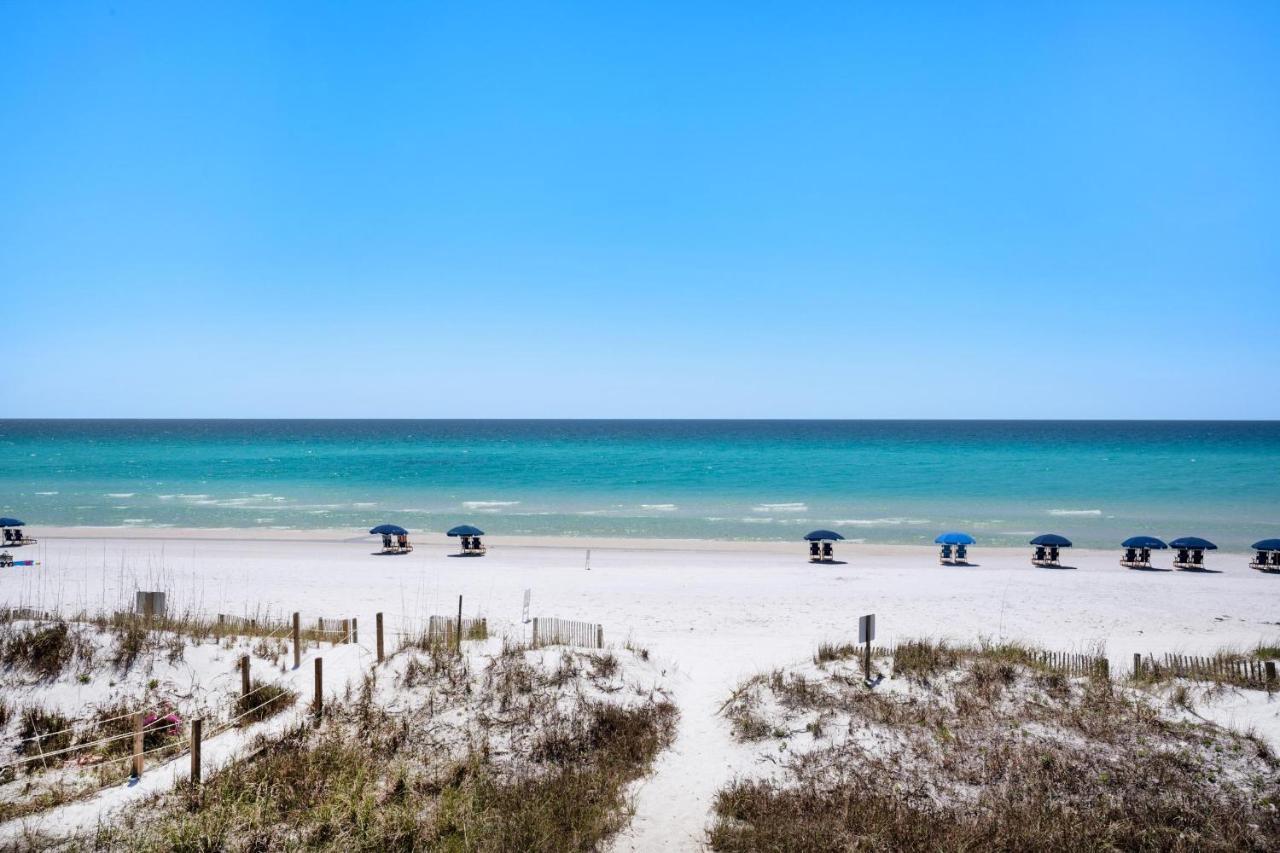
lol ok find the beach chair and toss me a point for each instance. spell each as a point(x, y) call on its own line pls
point(945, 557)
point(1197, 558)
point(1275, 560)
point(6, 560)
point(1182, 560)
point(1260, 561)
point(815, 552)
point(1130, 558)
point(1039, 558)
point(962, 556)
point(477, 548)
point(8, 536)
point(827, 554)
point(1054, 557)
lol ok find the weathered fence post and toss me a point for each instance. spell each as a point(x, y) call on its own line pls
point(355, 630)
point(1137, 664)
point(346, 631)
point(599, 636)
point(377, 625)
point(244, 675)
point(297, 637)
point(535, 632)
point(137, 745)
point(459, 640)
point(1271, 672)
point(319, 703)
point(197, 735)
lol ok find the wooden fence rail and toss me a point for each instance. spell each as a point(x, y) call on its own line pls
point(548, 631)
point(1225, 669)
point(1073, 664)
point(1067, 663)
point(247, 623)
point(442, 629)
point(10, 614)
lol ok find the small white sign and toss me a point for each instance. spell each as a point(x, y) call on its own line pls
point(527, 594)
point(867, 628)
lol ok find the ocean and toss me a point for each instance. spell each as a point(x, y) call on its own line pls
point(878, 481)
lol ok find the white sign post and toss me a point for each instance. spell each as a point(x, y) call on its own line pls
point(867, 633)
point(527, 594)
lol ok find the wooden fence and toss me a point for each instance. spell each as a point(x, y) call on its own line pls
point(11, 614)
point(1073, 664)
point(249, 624)
point(1066, 663)
point(443, 629)
point(1224, 669)
point(566, 632)
point(334, 630)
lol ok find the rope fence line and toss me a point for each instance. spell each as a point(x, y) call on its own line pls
point(45, 736)
point(344, 634)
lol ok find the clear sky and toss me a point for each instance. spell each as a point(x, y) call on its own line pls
point(640, 209)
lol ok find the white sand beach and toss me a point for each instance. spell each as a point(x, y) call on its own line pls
point(711, 613)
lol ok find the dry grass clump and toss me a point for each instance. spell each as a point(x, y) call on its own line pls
point(828, 652)
point(41, 730)
point(263, 701)
point(44, 649)
point(984, 749)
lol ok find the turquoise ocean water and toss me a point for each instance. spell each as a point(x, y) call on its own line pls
point(882, 481)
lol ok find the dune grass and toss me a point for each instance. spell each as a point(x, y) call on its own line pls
point(543, 765)
point(984, 750)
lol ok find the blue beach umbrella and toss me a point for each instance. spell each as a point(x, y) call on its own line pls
point(1149, 542)
point(11, 522)
point(1193, 542)
point(389, 530)
point(1266, 545)
point(955, 539)
point(1052, 540)
point(822, 536)
point(465, 530)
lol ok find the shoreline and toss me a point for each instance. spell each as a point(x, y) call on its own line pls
point(562, 542)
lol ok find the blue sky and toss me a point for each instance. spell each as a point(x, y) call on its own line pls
point(640, 210)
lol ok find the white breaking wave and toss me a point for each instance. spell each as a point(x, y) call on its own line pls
point(880, 522)
point(492, 506)
point(121, 494)
point(46, 493)
point(1075, 512)
point(788, 507)
point(757, 520)
point(660, 507)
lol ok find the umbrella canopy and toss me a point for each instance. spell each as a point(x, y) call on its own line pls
point(10, 522)
point(1194, 542)
point(466, 530)
point(1052, 540)
point(822, 536)
point(1266, 545)
point(1150, 542)
point(390, 530)
point(955, 539)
